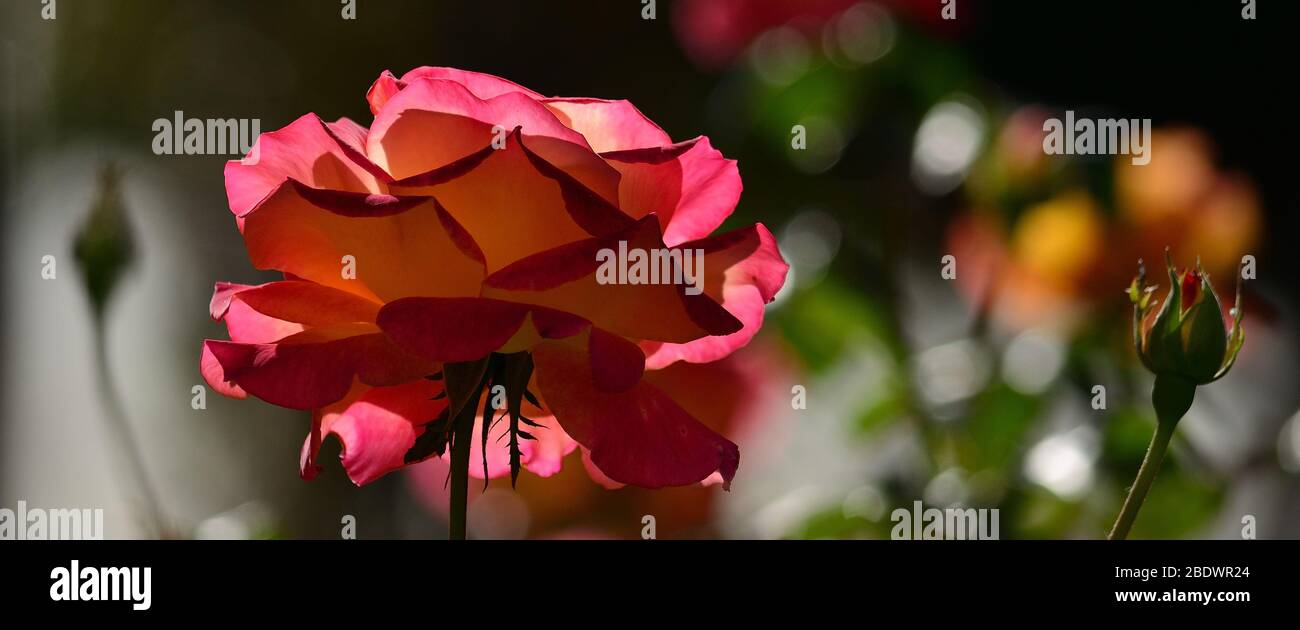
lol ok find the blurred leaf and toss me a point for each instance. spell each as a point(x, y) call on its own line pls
point(883, 410)
point(1040, 514)
point(1127, 435)
point(824, 92)
point(831, 522)
point(997, 427)
point(819, 323)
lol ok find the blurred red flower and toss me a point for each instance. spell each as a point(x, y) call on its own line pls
point(715, 32)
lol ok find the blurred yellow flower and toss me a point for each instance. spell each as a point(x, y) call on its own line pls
point(1058, 241)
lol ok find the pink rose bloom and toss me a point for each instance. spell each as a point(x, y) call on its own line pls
point(464, 225)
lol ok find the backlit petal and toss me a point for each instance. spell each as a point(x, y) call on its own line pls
point(638, 436)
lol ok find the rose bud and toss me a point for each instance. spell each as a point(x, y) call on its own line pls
point(1186, 339)
point(1185, 344)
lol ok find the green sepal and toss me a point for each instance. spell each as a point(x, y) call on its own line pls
point(1172, 396)
point(1164, 345)
point(1204, 336)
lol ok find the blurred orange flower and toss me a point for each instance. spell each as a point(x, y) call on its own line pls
point(1060, 258)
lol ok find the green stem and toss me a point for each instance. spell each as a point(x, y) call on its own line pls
point(464, 428)
point(120, 429)
point(1171, 397)
point(1146, 474)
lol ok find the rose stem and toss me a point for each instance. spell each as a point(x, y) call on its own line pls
point(464, 429)
point(120, 428)
point(1146, 474)
point(1171, 396)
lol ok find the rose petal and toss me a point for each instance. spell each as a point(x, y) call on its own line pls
point(462, 122)
point(516, 202)
point(597, 475)
point(543, 456)
point(246, 325)
point(273, 311)
point(377, 426)
point(689, 185)
point(744, 270)
point(483, 85)
point(608, 125)
point(465, 329)
point(215, 376)
point(305, 303)
point(313, 368)
point(306, 151)
point(352, 137)
point(398, 246)
point(451, 329)
point(639, 436)
point(616, 363)
point(383, 89)
point(565, 279)
point(221, 295)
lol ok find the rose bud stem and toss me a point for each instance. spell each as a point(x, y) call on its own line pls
point(154, 520)
point(1172, 397)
